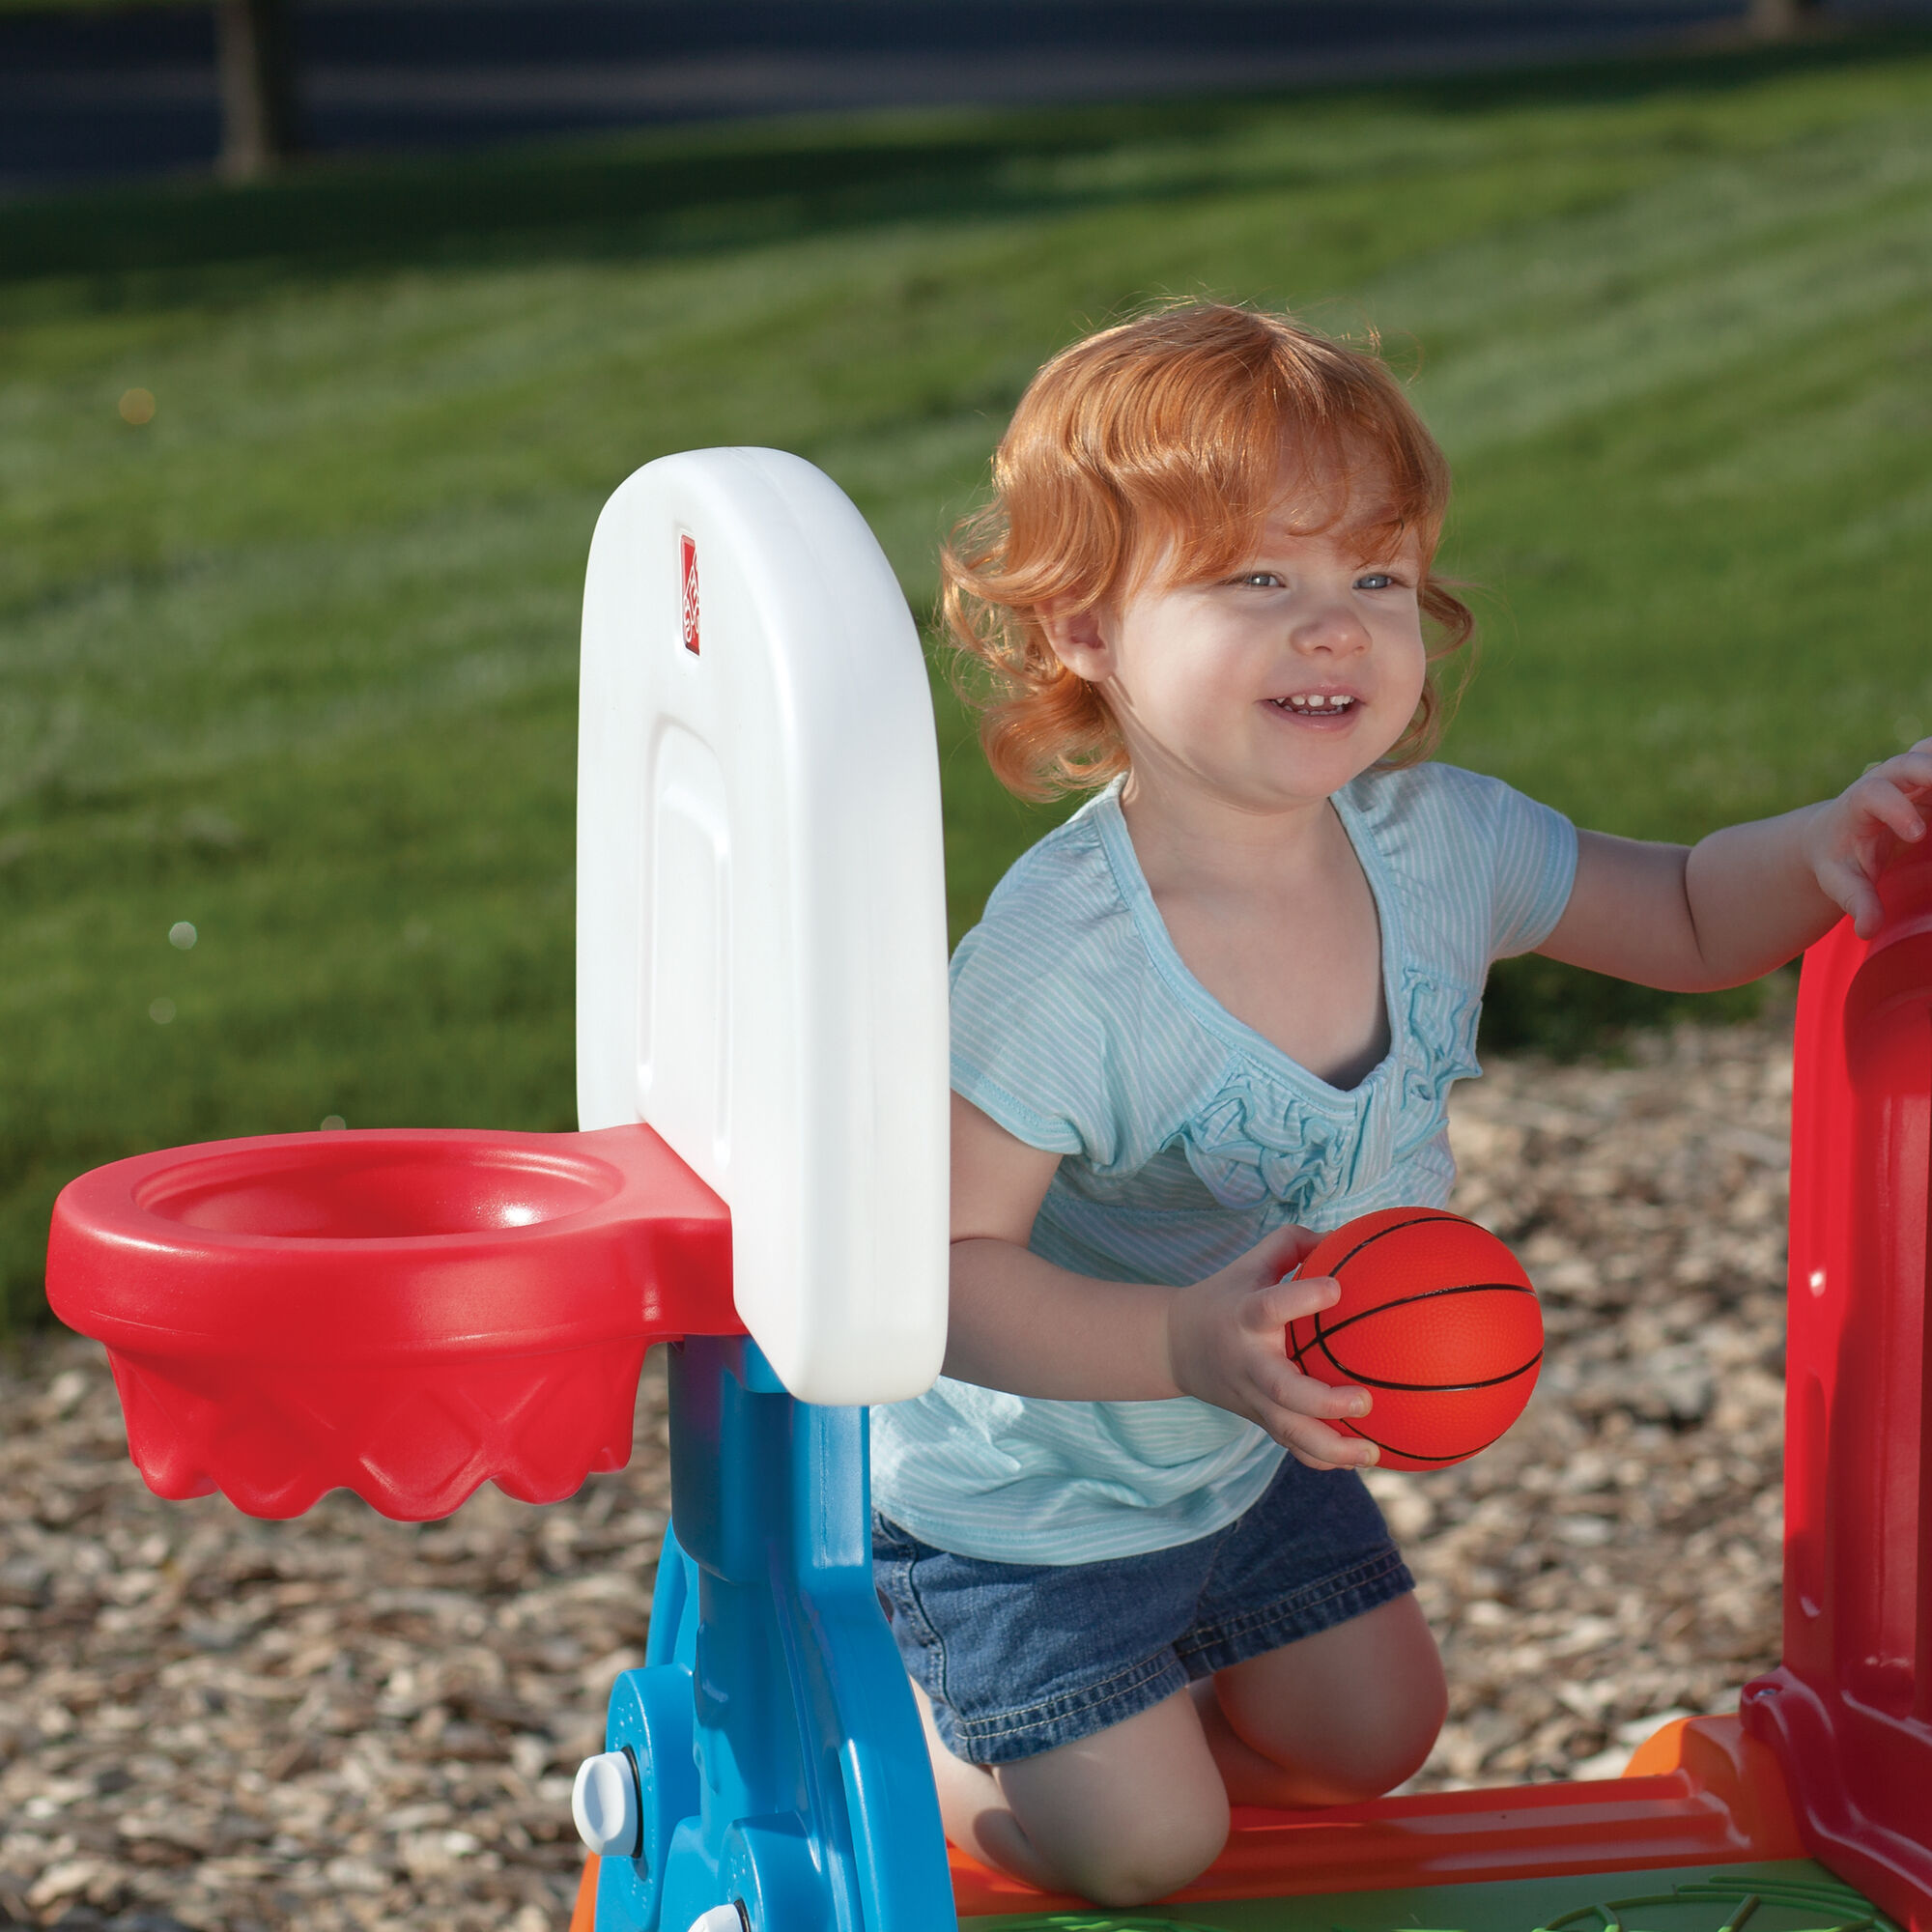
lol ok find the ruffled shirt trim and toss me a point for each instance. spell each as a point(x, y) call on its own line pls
point(1277, 1136)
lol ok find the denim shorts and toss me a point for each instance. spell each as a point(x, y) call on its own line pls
point(1019, 1658)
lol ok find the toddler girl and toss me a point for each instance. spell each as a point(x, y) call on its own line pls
point(1130, 1564)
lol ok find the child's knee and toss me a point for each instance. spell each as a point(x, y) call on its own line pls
point(1376, 1757)
point(1127, 1815)
point(1347, 1714)
point(1146, 1857)
point(1398, 1734)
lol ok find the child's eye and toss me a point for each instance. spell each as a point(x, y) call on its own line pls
point(1374, 580)
point(1259, 579)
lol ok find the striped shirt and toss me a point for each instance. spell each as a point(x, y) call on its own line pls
point(1185, 1137)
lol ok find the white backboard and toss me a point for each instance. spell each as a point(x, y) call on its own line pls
point(760, 904)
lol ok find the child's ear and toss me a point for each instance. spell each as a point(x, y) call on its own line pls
point(1078, 639)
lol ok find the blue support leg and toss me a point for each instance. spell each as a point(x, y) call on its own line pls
point(779, 1757)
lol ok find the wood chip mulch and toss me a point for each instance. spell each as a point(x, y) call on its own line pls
point(215, 1723)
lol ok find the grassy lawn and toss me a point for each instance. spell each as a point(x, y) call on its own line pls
point(295, 660)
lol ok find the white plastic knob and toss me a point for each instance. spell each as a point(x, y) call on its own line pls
point(604, 1803)
point(720, 1919)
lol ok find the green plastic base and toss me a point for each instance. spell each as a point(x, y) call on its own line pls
point(1782, 1895)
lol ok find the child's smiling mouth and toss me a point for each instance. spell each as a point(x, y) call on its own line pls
point(1323, 704)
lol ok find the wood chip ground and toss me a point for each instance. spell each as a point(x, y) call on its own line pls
point(343, 1722)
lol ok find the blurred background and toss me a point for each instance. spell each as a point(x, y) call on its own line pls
point(326, 327)
point(92, 88)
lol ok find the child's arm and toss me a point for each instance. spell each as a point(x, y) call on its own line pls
point(1747, 899)
point(1022, 1325)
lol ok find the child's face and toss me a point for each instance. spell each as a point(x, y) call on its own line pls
point(1271, 687)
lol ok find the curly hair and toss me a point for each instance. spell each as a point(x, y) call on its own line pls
point(1164, 441)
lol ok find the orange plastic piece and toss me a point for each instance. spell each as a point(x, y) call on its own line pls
point(584, 1914)
point(1698, 1793)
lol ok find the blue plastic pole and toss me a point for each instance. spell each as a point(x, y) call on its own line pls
point(781, 1762)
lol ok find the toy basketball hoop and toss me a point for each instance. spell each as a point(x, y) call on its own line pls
point(402, 1314)
point(760, 1175)
point(761, 978)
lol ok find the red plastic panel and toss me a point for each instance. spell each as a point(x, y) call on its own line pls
point(405, 1314)
point(1850, 1713)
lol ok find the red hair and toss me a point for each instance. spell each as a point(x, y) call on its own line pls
point(1164, 439)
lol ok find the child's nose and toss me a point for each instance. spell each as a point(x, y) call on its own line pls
point(1331, 628)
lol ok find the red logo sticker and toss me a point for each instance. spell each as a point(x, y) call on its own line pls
point(686, 550)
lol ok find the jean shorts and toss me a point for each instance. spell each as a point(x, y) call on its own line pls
point(1019, 1658)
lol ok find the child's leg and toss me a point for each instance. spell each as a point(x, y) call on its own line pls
point(1128, 1814)
point(1325, 1685)
point(1137, 1809)
point(1332, 1719)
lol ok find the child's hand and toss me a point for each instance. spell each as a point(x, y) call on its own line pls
point(1849, 841)
point(1227, 1344)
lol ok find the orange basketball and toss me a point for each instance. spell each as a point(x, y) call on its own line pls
point(1436, 1320)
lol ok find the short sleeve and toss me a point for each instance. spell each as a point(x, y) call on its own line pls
point(1015, 1047)
point(1048, 992)
point(1535, 868)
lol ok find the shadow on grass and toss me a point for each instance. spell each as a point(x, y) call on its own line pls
point(691, 191)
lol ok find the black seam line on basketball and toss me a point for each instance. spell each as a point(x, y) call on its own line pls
point(1322, 1334)
point(1436, 1388)
point(1348, 1374)
point(1416, 1455)
point(1394, 1228)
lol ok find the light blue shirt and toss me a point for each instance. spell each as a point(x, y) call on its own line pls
point(1185, 1137)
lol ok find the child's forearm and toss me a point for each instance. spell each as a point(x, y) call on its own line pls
point(1022, 1325)
point(1731, 909)
point(1753, 899)
point(1747, 899)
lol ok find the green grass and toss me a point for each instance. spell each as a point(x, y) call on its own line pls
point(295, 660)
